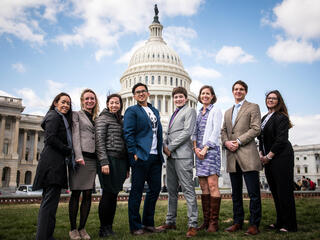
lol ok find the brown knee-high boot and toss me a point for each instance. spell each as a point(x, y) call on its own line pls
point(205, 200)
point(214, 214)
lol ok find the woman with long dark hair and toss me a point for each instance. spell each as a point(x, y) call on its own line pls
point(51, 174)
point(276, 154)
point(206, 145)
point(113, 164)
point(82, 177)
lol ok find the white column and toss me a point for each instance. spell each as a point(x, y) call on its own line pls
point(156, 101)
point(35, 148)
point(163, 104)
point(15, 139)
point(24, 144)
point(3, 124)
point(170, 106)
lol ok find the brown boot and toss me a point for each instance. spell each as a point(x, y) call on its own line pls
point(205, 200)
point(214, 214)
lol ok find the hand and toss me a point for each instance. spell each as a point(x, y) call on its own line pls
point(203, 152)
point(135, 157)
point(231, 145)
point(197, 151)
point(265, 160)
point(166, 151)
point(80, 161)
point(128, 174)
point(105, 169)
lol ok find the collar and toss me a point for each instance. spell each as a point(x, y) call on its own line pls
point(208, 108)
point(240, 103)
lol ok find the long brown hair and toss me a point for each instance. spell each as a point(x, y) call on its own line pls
point(281, 106)
point(96, 107)
point(68, 115)
point(214, 99)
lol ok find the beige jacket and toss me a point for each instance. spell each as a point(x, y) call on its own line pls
point(246, 128)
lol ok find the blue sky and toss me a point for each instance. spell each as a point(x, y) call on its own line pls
point(51, 46)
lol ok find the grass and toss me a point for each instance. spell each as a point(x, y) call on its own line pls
point(20, 222)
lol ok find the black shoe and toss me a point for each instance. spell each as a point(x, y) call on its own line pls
point(104, 232)
point(111, 232)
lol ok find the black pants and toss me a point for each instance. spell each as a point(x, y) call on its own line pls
point(279, 174)
point(107, 208)
point(47, 212)
point(251, 179)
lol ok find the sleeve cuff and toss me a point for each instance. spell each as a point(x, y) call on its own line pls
point(210, 144)
point(239, 142)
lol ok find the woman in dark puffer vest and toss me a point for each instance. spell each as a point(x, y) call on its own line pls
point(113, 164)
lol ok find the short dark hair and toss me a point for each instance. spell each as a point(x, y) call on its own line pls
point(242, 83)
point(181, 90)
point(139, 84)
point(214, 99)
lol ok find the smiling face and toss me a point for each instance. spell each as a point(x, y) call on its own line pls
point(239, 93)
point(88, 101)
point(63, 104)
point(114, 104)
point(206, 96)
point(272, 101)
point(179, 99)
point(141, 95)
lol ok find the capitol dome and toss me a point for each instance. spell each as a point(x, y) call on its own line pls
point(160, 68)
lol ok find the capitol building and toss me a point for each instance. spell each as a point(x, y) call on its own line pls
point(160, 67)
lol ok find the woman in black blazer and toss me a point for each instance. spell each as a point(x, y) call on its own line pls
point(277, 156)
point(51, 174)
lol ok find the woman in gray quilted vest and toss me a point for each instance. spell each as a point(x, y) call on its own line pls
point(113, 164)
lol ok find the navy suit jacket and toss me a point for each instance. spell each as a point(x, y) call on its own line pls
point(138, 132)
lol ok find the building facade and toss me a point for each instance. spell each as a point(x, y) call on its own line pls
point(21, 142)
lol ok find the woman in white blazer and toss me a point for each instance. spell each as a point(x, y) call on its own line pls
point(82, 177)
point(206, 146)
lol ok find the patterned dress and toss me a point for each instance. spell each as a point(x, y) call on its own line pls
point(210, 165)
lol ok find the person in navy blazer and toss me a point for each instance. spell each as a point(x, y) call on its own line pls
point(143, 136)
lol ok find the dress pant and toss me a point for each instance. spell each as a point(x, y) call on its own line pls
point(144, 171)
point(180, 171)
point(251, 179)
point(279, 174)
point(47, 212)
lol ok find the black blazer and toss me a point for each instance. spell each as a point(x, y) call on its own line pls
point(52, 169)
point(274, 136)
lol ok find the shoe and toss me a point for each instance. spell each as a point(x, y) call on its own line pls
point(272, 227)
point(214, 214)
point(138, 232)
point(233, 228)
point(111, 232)
point(151, 229)
point(283, 230)
point(84, 235)
point(192, 231)
point(252, 230)
point(74, 235)
point(205, 201)
point(165, 227)
point(104, 232)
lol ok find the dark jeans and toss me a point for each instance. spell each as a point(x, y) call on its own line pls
point(149, 171)
point(251, 179)
point(107, 208)
point(47, 212)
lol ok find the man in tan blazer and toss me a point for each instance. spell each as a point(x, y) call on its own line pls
point(241, 126)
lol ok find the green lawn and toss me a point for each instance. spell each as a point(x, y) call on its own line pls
point(19, 222)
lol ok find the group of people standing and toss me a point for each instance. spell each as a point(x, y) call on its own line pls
point(110, 144)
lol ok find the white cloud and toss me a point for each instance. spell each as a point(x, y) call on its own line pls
point(5, 94)
point(19, 67)
point(203, 73)
point(102, 53)
point(305, 130)
point(299, 19)
point(179, 37)
point(22, 18)
point(195, 86)
point(30, 99)
point(180, 7)
point(233, 54)
point(125, 58)
point(293, 51)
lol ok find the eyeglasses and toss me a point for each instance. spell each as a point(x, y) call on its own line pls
point(272, 98)
point(139, 92)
